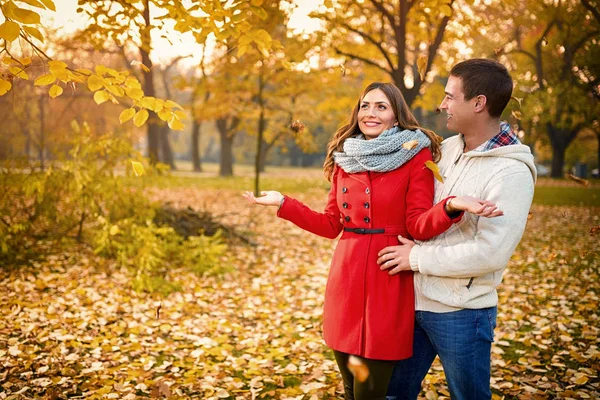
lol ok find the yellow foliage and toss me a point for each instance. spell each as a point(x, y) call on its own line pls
point(19, 72)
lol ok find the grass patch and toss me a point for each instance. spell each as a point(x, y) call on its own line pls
point(567, 196)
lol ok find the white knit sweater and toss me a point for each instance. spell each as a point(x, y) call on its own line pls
point(462, 267)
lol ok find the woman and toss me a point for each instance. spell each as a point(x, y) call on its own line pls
point(380, 189)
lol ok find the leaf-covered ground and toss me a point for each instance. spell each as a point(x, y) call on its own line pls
point(70, 326)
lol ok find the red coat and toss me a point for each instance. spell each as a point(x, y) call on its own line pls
point(367, 312)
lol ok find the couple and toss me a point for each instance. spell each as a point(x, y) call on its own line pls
point(389, 301)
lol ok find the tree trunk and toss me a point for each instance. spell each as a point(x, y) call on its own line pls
point(226, 162)
point(558, 161)
point(152, 124)
point(598, 149)
point(196, 161)
point(263, 155)
point(167, 152)
point(42, 141)
point(226, 135)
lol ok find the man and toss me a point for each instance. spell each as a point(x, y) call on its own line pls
point(456, 273)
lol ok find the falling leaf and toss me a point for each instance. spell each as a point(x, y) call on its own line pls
point(435, 169)
point(138, 168)
point(145, 68)
point(343, 69)
point(517, 114)
point(583, 182)
point(594, 230)
point(410, 144)
point(358, 368)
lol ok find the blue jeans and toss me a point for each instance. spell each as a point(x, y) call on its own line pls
point(463, 340)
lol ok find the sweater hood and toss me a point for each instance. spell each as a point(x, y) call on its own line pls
point(519, 152)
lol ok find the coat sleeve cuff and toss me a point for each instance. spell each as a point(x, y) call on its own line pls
point(282, 209)
point(457, 217)
point(413, 258)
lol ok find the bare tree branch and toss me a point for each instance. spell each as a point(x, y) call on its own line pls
point(365, 60)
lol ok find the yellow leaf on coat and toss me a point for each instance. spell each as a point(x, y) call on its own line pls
point(435, 169)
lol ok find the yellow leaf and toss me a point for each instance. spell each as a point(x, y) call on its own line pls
point(5, 86)
point(101, 96)
point(35, 32)
point(49, 4)
point(55, 91)
point(44, 80)
point(176, 124)
point(358, 368)
point(116, 90)
point(148, 102)
point(132, 83)
point(140, 117)
point(9, 31)
point(34, 3)
point(26, 61)
point(410, 144)
point(126, 115)
point(180, 114)
point(242, 49)
point(582, 380)
point(19, 72)
point(55, 64)
point(25, 16)
point(138, 168)
point(172, 104)
point(159, 105)
point(95, 82)
point(134, 93)
point(446, 10)
point(165, 114)
point(222, 394)
point(84, 71)
point(435, 169)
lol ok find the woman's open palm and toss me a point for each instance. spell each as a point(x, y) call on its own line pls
point(268, 198)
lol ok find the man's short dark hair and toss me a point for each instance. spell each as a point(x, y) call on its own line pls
point(482, 76)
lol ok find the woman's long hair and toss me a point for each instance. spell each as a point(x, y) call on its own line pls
point(404, 117)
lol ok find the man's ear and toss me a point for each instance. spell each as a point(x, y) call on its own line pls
point(480, 103)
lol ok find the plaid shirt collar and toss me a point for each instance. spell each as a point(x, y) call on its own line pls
point(506, 137)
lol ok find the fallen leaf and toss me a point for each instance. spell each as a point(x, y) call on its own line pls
point(410, 144)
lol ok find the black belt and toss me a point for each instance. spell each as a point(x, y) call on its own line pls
point(364, 231)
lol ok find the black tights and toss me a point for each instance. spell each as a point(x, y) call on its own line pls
point(376, 385)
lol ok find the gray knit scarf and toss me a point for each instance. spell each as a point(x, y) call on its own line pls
point(381, 154)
